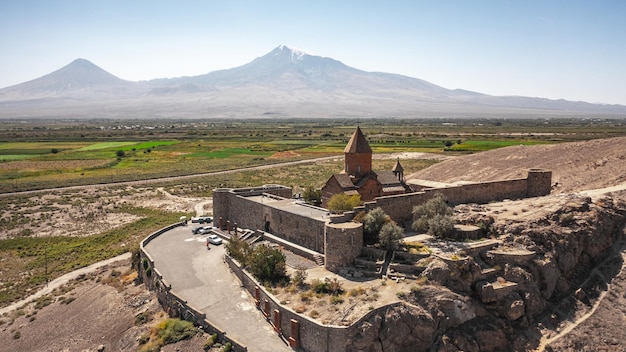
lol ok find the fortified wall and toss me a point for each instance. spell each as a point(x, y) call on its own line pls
point(271, 209)
point(399, 207)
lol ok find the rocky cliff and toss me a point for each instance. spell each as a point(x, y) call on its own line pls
point(551, 261)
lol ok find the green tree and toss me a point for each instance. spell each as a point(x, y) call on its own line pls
point(312, 195)
point(267, 264)
point(434, 217)
point(390, 235)
point(441, 226)
point(342, 202)
point(120, 153)
point(372, 223)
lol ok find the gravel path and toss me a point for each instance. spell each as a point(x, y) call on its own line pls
point(61, 280)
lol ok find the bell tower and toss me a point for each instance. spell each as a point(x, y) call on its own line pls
point(357, 156)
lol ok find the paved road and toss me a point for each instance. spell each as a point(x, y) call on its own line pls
point(200, 277)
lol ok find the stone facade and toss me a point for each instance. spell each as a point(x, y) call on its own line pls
point(358, 177)
point(290, 220)
point(344, 242)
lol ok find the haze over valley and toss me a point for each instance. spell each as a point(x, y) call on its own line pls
point(284, 83)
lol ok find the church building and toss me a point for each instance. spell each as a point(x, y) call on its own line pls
point(358, 177)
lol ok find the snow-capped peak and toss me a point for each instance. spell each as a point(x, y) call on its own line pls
point(296, 54)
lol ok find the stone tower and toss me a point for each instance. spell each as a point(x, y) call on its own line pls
point(357, 156)
point(398, 170)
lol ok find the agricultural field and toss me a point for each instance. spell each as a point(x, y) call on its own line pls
point(62, 154)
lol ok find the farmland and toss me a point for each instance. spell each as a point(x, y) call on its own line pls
point(57, 153)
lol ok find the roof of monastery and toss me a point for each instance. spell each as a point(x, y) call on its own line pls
point(344, 181)
point(386, 177)
point(358, 144)
point(292, 206)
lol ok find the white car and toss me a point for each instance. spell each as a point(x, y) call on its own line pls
point(214, 239)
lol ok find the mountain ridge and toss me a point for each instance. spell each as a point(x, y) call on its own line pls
point(291, 82)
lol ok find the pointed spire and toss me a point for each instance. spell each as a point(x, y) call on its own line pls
point(398, 167)
point(398, 170)
point(358, 143)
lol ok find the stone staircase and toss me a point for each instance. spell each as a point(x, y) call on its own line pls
point(319, 259)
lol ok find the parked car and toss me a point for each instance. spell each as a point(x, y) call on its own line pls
point(214, 239)
point(202, 219)
point(197, 230)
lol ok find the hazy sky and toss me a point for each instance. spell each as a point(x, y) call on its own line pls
point(569, 49)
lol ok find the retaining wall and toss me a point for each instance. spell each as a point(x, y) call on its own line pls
point(308, 335)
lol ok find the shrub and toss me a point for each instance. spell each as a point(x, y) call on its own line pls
point(314, 314)
point(227, 347)
point(168, 331)
point(267, 264)
point(298, 277)
point(328, 286)
point(210, 342)
point(357, 291)
point(434, 217)
point(336, 300)
point(239, 249)
point(312, 196)
point(401, 294)
point(343, 202)
point(142, 318)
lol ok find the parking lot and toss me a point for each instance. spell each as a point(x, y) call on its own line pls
point(201, 277)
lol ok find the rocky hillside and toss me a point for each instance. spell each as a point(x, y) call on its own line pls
point(575, 166)
point(546, 269)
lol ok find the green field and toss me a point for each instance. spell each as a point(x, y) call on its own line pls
point(65, 155)
point(484, 145)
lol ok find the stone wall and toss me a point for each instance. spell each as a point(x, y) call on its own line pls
point(223, 199)
point(302, 333)
point(399, 207)
point(301, 230)
point(236, 207)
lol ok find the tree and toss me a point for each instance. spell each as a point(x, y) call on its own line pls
point(434, 217)
point(54, 150)
point(312, 195)
point(390, 235)
point(120, 153)
point(342, 202)
point(372, 223)
point(267, 264)
point(239, 249)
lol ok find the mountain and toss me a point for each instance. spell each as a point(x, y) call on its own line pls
point(283, 83)
point(79, 78)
